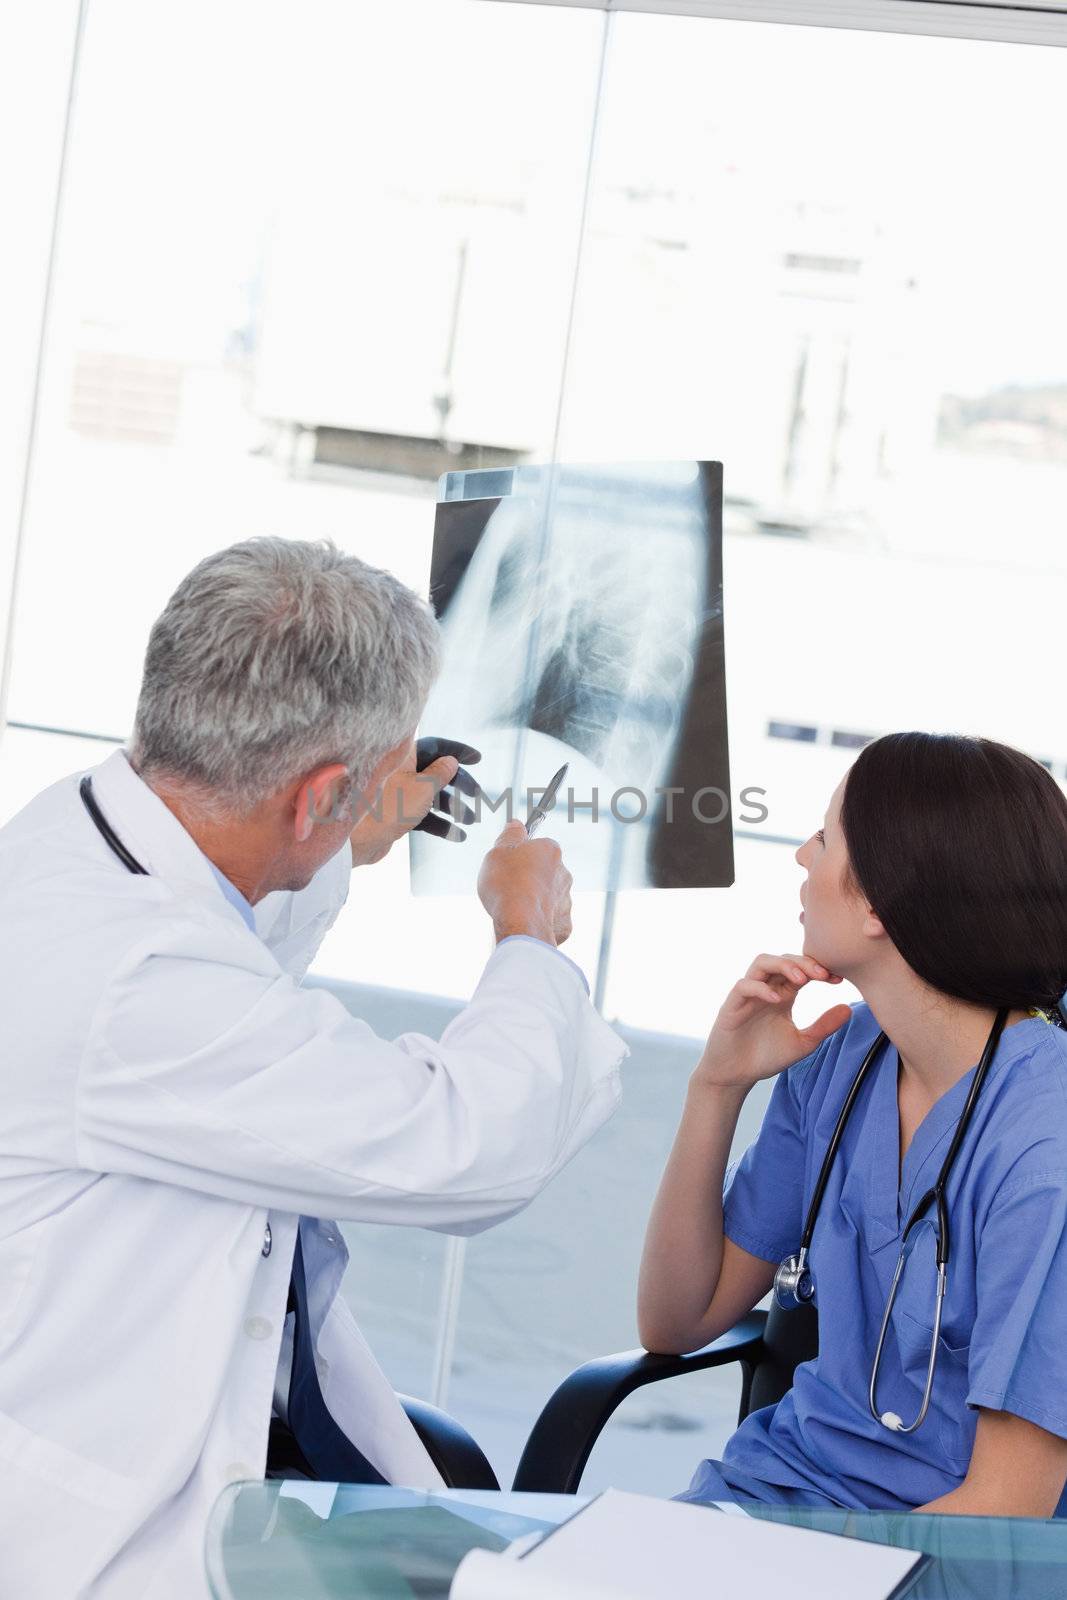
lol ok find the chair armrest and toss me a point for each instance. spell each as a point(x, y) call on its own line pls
point(564, 1434)
point(456, 1455)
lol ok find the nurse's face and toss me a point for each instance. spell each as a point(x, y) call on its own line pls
point(839, 926)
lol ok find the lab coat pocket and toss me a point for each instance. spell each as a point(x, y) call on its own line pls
point(16, 1260)
point(31, 1456)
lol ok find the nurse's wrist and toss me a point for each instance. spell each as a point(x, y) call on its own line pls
point(705, 1087)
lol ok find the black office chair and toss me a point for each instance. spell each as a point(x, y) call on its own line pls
point(768, 1345)
point(450, 1447)
point(457, 1456)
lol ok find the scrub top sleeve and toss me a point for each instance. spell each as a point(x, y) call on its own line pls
point(763, 1192)
point(1018, 1353)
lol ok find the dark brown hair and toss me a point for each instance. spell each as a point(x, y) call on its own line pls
point(960, 847)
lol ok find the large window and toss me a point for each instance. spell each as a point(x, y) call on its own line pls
point(835, 261)
point(313, 255)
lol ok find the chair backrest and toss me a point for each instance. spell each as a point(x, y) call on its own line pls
point(789, 1338)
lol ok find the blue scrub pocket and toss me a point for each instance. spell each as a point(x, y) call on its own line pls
point(916, 1300)
point(948, 1415)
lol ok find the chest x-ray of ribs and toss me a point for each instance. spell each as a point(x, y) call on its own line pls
point(572, 631)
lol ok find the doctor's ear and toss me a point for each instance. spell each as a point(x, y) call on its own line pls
point(321, 796)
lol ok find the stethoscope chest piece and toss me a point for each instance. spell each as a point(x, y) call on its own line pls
point(793, 1283)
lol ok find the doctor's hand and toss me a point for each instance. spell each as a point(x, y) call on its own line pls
point(409, 798)
point(754, 1035)
point(525, 887)
point(448, 810)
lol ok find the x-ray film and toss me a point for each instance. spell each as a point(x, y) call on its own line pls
point(582, 615)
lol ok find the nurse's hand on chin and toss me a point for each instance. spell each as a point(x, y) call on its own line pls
point(754, 1035)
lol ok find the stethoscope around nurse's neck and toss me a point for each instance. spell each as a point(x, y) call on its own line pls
point(793, 1284)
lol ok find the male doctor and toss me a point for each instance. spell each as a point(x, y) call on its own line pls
point(179, 1118)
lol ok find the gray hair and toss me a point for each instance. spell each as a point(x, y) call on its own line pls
point(273, 657)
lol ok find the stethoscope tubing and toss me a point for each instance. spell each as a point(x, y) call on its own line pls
point(937, 1193)
point(835, 1140)
point(793, 1282)
point(106, 831)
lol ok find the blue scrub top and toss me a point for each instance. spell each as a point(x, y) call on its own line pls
point(1003, 1341)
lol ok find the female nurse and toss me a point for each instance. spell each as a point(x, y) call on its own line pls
point(937, 885)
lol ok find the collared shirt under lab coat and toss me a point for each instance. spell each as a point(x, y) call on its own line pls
point(166, 1087)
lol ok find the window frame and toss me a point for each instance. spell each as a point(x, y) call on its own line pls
point(1032, 22)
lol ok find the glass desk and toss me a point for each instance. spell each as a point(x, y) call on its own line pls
point(293, 1540)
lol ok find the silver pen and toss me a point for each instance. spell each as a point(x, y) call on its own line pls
point(546, 802)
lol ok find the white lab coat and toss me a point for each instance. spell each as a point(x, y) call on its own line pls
point(166, 1088)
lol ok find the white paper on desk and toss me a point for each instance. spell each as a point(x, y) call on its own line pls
point(481, 1575)
point(631, 1547)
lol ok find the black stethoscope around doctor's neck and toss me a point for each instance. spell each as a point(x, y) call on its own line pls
point(793, 1285)
point(106, 831)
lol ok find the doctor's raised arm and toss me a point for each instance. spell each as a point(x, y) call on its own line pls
point(183, 1121)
